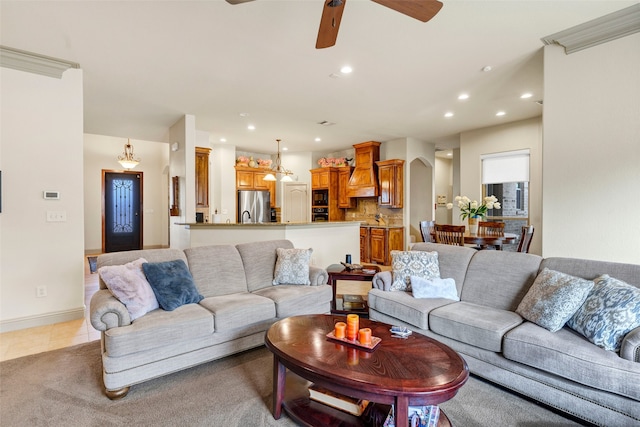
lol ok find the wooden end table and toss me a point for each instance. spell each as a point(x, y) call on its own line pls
point(338, 272)
point(414, 371)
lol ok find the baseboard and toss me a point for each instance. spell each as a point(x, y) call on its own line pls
point(41, 320)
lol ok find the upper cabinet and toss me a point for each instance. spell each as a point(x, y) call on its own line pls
point(344, 201)
point(253, 179)
point(391, 178)
point(202, 177)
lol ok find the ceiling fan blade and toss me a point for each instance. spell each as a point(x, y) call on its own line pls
point(422, 10)
point(330, 23)
point(238, 1)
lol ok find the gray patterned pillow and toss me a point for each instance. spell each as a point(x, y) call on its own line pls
point(610, 312)
point(553, 298)
point(405, 264)
point(292, 266)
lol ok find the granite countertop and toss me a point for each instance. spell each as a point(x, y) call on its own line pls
point(380, 226)
point(263, 224)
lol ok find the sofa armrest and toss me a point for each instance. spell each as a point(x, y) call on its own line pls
point(318, 276)
point(630, 349)
point(107, 312)
point(382, 280)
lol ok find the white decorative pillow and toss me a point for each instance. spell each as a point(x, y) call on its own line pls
point(610, 312)
point(434, 288)
point(130, 286)
point(292, 267)
point(405, 264)
point(553, 298)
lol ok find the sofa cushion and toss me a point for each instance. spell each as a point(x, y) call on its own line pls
point(452, 260)
point(403, 306)
point(291, 300)
point(292, 266)
point(217, 269)
point(129, 285)
point(553, 298)
point(473, 324)
point(499, 279)
point(172, 283)
point(157, 328)
point(239, 310)
point(567, 354)
point(259, 260)
point(610, 312)
point(405, 264)
point(434, 288)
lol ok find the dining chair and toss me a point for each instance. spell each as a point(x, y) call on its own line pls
point(525, 239)
point(492, 228)
point(426, 228)
point(449, 234)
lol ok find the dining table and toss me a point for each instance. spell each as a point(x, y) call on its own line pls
point(483, 241)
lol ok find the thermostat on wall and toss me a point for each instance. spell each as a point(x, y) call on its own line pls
point(51, 195)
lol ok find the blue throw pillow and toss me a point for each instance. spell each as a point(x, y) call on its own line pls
point(172, 283)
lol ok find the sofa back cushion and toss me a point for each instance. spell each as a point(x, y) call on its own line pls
point(216, 270)
point(500, 279)
point(588, 269)
point(259, 260)
point(453, 261)
point(151, 255)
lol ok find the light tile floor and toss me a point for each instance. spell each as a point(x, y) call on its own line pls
point(51, 337)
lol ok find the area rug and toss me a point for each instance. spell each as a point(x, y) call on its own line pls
point(64, 387)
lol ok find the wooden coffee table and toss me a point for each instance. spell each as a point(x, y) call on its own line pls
point(413, 371)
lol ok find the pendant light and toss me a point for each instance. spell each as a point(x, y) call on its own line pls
point(128, 159)
point(278, 169)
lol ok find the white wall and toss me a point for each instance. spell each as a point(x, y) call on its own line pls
point(592, 152)
point(524, 134)
point(101, 152)
point(443, 172)
point(41, 149)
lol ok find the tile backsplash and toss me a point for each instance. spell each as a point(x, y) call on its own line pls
point(367, 209)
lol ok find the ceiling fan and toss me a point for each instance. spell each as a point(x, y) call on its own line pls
point(422, 10)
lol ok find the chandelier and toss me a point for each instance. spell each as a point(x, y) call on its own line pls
point(128, 159)
point(278, 169)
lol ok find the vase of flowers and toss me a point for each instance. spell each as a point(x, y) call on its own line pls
point(242, 161)
point(474, 211)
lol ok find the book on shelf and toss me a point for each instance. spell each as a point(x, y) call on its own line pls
point(419, 416)
point(339, 401)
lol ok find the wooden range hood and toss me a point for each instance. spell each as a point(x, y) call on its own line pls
point(364, 179)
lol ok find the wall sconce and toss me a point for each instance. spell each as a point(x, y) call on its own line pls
point(175, 147)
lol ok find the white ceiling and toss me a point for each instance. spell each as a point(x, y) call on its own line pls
point(147, 63)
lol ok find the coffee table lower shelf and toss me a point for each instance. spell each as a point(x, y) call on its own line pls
point(307, 412)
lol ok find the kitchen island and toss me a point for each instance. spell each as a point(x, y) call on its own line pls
point(330, 241)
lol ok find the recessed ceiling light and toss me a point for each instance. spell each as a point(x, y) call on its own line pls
point(318, 139)
point(244, 114)
point(251, 127)
point(285, 149)
point(500, 113)
point(223, 139)
point(449, 154)
point(526, 95)
point(346, 69)
point(487, 68)
point(326, 123)
point(448, 114)
point(463, 96)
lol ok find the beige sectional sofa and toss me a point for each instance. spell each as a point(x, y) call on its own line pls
point(240, 303)
point(561, 369)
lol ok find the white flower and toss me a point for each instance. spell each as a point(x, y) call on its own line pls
point(449, 205)
point(496, 205)
point(474, 204)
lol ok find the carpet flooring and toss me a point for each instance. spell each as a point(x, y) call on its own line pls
point(64, 387)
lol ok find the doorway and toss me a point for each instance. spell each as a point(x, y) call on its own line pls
point(121, 211)
point(295, 202)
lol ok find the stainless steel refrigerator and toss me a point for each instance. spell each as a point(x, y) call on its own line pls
point(253, 207)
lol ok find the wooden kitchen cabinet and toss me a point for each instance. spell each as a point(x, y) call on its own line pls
point(324, 184)
point(253, 179)
point(202, 177)
point(391, 179)
point(364, 181)
point(364, 245)
point(344, 201)
point(383, 240)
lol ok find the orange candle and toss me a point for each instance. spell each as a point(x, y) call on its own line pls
point(353, 325)
point(364, 336)
point(339, 330)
